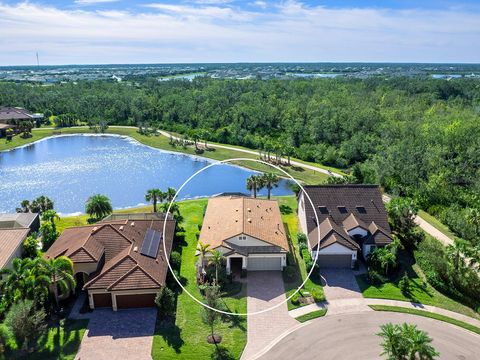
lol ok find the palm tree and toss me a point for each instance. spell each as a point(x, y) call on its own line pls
point(455, 253)
point(203, 249)
point(60, 271)
point(155, 195)
point(24, 280)
point(418, 343)
point(170, 194)
point(387, 258)
point(254, 183)
point(51, 216)
point(41, 204)
point(98, 206)
point(216, 260)
point(270, 181)
point(24, 207)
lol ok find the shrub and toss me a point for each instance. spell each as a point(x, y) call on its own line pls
point(375, 278)
point(290, 273)
point(165, 301)
point(175, 260)
point(25, 323)
point(302, 246)
point(30, 247)
point(302, 238)
point(294, 299)
point(317, 295)
point(243, 274)
point(404, 284)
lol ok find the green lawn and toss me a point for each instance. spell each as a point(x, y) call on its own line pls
point(427, 314)
point(421, 291)
point(187, 338)
point(290, 221)
point(57, 343)
point(313, 315)
point(436, 224)
point(162, 142)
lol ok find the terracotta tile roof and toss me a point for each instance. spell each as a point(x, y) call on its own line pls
point(14, 113)
point(116, 246)
point(347, 207)
point(10, 241)
point(229, 216)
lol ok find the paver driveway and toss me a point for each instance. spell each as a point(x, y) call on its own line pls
point(265, 289)
point(125, 334)
point(339, 284)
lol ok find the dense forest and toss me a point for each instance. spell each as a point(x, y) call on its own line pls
point(418, 137)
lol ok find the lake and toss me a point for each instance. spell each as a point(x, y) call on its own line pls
point(69, 169)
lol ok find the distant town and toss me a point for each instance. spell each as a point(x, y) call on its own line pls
point(64, 73)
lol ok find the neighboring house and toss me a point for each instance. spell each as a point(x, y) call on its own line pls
point(11, 241)
point(10, 117)
point(14, 229)
point(352, 220)
point(119, 261)
point(20, 220)
point(249, 233)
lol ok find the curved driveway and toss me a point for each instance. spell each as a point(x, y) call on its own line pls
point(352, 337)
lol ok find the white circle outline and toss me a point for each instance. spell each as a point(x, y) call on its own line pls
point(165, 226)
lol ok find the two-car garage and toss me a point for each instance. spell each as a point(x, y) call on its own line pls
point(122, 301)
point(264, 263)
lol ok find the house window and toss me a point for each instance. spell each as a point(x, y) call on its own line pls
point(361, 210)
point(323, 209)
point(242, 238)
point(342, 209)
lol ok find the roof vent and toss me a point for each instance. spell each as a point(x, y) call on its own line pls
point(94, 229)
point(133, 223)
point(121, 228)
point(249, 210)
point(236, 220)
point(249, 220)
point(135, 249)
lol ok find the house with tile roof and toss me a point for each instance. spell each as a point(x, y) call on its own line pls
point(248, 232)
point(14, 229)
point(121, 262)
point(10, 117)
point(352, 221)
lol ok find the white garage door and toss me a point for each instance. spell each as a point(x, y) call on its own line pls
point(264, 263)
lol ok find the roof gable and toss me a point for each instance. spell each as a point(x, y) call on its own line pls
point(136, 278)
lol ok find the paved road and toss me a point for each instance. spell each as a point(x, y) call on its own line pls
point(126, 334)
point(352, 337)
point(265, 289)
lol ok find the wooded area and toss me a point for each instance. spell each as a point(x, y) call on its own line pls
point(417, 137)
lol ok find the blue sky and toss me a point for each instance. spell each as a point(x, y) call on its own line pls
point(156, 31)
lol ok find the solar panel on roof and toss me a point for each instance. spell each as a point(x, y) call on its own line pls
point(151, 243)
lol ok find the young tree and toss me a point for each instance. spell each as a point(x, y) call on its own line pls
point(25, 323)
point(98, 206)
point(212, 296)
point(51, 215)
point(216, 260)
point(49, 235)
point(165, 301)
point(270, 181)
point(401, 214)
point(155, 195)
point(203, 249)
point(170, 194)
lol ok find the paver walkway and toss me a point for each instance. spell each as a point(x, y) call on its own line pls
point(125, 334)
point(265, 289)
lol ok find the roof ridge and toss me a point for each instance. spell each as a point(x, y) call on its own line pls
point(84, 249)
point(129, 272)
point(103, 273)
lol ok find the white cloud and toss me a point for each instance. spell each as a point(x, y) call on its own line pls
point(93, 2)
point(290, 31)
point(260, 4)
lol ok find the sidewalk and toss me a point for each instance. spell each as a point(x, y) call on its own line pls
point(344, 306)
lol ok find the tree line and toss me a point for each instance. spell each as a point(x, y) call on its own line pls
point(417, 137)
